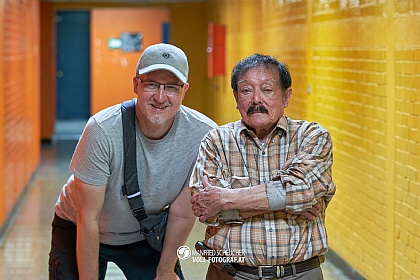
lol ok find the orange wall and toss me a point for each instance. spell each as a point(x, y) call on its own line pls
point(3, 211)
point(112, 70)
point(19, 94)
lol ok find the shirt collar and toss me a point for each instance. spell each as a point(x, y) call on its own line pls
point(281, 126)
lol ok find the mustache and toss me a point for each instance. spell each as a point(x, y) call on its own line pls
point(256, 109)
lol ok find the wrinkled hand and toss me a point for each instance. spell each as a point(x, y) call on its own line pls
point(310, 213)
point(207, 203)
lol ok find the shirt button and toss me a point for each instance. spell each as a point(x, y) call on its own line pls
point(271, 230)
point(263, 153)
point(272, 257)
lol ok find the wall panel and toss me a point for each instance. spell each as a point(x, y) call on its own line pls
point(112, 69)
point(2, 117)
point(20, 143)
point(407, 163)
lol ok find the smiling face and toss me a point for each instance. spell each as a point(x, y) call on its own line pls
point(260, 99)
point(156, 109)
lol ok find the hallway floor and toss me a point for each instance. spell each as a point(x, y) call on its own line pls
point(25, 247)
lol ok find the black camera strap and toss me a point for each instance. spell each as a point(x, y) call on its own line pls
point(131, 184)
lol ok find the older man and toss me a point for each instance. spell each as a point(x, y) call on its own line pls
point(262, 183)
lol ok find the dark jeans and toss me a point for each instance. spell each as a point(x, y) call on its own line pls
point(137, 260)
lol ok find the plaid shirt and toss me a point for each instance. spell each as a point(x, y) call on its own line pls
point(298, 153)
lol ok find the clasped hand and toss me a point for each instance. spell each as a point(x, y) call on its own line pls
point(207, 202)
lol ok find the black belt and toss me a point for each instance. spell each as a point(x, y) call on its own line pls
point(280, 271)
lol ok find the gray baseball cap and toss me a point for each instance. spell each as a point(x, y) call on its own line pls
point(164, 57)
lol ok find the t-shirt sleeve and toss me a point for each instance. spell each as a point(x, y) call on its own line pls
point(90, 162)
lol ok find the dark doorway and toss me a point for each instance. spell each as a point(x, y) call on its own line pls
point(73, 65)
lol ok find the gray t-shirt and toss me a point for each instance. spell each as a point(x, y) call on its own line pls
point(164, 167)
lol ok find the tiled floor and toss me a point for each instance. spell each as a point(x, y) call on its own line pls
point(24, 249)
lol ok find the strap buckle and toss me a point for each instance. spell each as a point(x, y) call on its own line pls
point(140, 213)
point(279, 270)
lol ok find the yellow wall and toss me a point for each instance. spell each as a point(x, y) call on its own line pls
point(189, 31)
point(356, 71)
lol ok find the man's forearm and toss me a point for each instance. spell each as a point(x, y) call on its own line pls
point(87, 250)
point(180, 223)
point(177, 232)
point(213, 199)
point(248, 199)
point(89, 200)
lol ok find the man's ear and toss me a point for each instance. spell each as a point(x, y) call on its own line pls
point(184, 90)
point(235, 94)
point(186, 87)
point(135, 84)
point(286, 97)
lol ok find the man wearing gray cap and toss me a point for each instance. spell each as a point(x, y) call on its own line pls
point(95, 221)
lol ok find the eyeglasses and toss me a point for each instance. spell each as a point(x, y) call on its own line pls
point(170, 89)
